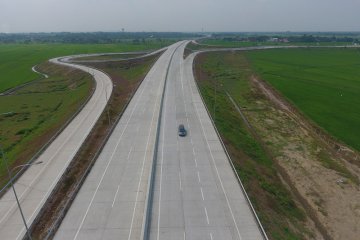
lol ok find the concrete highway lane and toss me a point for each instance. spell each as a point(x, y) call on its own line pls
point(196, 193)
point(111, 203)
point(35, 185)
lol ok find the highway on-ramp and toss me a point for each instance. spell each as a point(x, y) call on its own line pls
point(36, 183)
point(195, 193)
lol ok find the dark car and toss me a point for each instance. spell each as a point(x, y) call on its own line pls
point(182, 130)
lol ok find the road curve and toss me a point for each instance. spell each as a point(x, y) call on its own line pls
point(112, 200)
point(194, 193)
point(37, 182)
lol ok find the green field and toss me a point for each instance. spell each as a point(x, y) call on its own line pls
point(223, 43)
point(17, 60)
point(32, 114)
point(322, 83)
point(275, 206)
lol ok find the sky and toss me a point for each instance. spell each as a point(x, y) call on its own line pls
point(179, 15)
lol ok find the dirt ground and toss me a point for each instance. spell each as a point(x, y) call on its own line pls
point(325, 173)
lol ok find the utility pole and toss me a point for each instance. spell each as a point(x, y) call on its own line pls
point(11, 180)
point(215, 100)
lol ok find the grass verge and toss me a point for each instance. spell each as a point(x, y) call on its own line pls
point(324, 84)
point(17, 59)
point(278, 209)
point(33, 114)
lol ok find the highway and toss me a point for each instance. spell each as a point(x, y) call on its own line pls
point(37, 182)
point(196, 194)
point(111, 202)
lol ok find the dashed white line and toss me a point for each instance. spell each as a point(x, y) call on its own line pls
point(195, 162)
point(202, 194)
point(180, 182)
point(107, 166)
point(161, 167)
point(142, 169)
point(217, 171)
point(207, 217)
point(112, 205)
point(198, 174)
point(211, 236)
point(41, 171)
point(193, 151)
point(128, 156)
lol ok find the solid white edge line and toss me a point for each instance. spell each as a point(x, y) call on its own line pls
point(206, 214)
point(213, 160)
point(112, 155)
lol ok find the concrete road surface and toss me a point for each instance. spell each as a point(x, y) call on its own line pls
point(35, 185)
point(196, 193)
point(110, 204)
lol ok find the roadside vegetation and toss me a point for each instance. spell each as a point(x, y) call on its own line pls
point(31, 115)
point(126, 75)
point(300, 186)
point(278, 211)
point(324, 84)
point(17, 59)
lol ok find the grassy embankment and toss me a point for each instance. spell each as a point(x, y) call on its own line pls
point(126, 76)
point(109, 57)
point(30, 116)
point(324, 84)
point(17, 59)
point(277, 210)
point(280, 144)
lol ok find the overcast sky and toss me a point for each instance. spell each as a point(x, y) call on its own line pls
point(178, 15)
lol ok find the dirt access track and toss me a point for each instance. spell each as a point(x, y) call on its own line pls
point(318, 168)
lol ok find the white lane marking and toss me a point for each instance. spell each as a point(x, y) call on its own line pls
point(211, 236)
point(194, 151)
point(216, 169)
point(184, 235)
point(107, 166)
point(180, 181)
point(143, 164)
point(112, 205)
point(182, 90)
point(57, 177)
point(207, 217)
point(195, 162)
point(202, 194)
point(128, 156)
point(198, 174)
point(162, 163)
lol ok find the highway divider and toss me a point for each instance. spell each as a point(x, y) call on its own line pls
point(145, 235)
